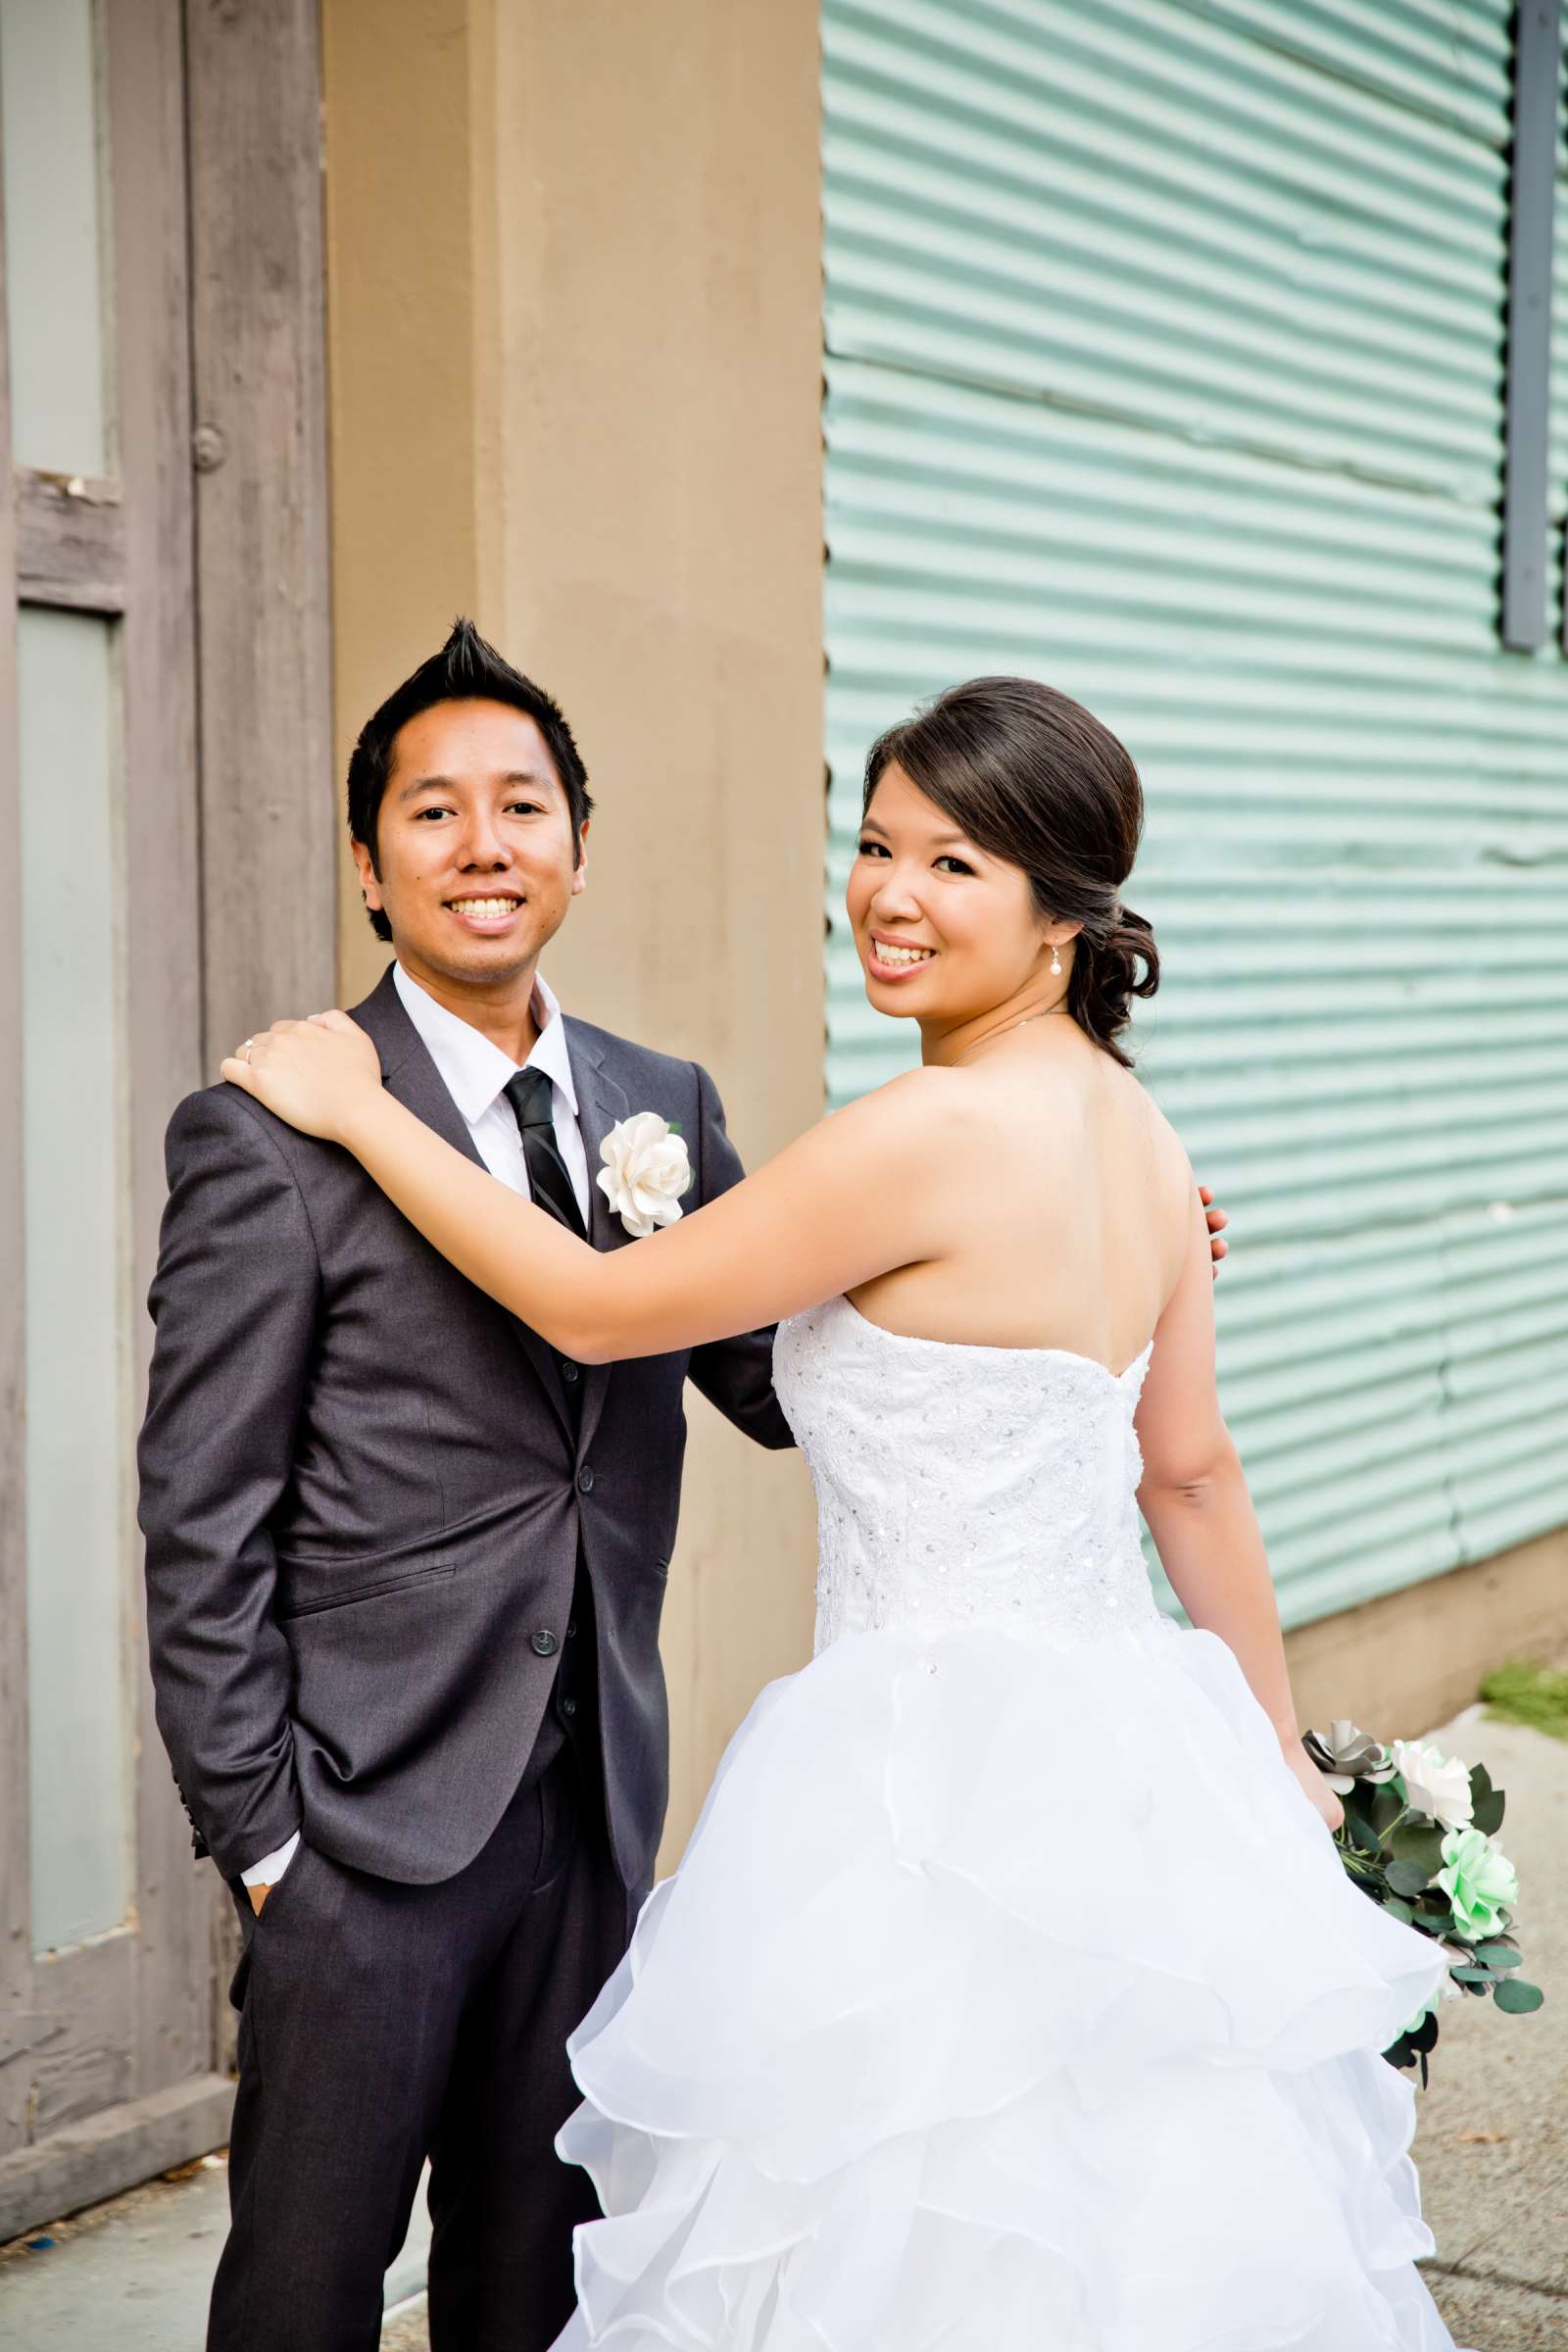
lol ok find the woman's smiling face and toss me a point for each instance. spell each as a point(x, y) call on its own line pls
point(945, 931)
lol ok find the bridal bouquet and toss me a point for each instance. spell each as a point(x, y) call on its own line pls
point(1419, 1836)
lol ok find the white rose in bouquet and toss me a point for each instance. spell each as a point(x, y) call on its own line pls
point(1435, 1783)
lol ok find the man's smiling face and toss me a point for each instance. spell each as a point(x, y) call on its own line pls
point(474, 865)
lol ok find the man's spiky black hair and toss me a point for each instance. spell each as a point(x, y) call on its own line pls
point(466, 670)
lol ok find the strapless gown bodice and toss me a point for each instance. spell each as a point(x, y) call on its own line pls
point(964, 1486)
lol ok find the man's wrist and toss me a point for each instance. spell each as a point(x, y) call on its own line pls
point(267, 1869)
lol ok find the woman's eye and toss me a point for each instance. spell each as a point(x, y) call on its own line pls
point(873, 849)
point(957, 865)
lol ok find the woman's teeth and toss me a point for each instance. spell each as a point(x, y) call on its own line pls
point(484, 910)
point(886, 952)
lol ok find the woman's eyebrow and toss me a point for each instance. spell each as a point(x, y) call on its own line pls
point(868, 824)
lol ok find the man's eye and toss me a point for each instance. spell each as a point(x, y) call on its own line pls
point(524, 808)
point(435, 809)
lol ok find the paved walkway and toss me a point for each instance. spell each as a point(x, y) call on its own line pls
point(133, 2275)
point(1493, 2149)
point(1493, 2141)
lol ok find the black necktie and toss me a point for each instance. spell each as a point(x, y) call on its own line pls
point(530, 1094)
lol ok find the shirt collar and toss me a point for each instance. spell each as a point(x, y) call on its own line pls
point(472, 1070)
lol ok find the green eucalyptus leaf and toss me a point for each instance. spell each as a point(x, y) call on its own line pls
point(1424, 2036)
point(1383, 1808)
point(1516, 1997)
point(1414, 1841)
point(1499, 1955)
point(1488, 1812)
point(1406, 1877)
point(1471, 1976)
point(1397, 1908)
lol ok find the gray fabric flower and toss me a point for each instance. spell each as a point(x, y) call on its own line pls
point(1345, 1754)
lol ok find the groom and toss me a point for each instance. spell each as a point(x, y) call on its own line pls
point(405, 1568)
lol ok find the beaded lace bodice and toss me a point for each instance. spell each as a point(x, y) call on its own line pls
point(960, 1486)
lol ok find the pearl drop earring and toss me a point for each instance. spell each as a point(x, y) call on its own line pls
point(1056, 958)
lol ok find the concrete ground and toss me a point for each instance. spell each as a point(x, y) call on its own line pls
point(1493, 2142)
point(133, 2275)
point(1492, 2145)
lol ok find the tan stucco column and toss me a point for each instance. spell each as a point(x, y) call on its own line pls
point(574, 359)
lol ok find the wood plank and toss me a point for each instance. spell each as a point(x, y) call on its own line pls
point(84, 2060)
point(71, 542)
point(171, 2018)
point(95, 2159)
point(269, 830)
point(16, 1867)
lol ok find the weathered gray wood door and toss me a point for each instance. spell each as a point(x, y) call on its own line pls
point(159, 252)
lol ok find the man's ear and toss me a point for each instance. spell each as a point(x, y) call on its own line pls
point(579, 878)
point(365, 866)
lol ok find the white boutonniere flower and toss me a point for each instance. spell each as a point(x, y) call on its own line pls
point(646, 1171)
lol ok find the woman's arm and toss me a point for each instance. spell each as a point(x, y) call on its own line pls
point(1195, 1498)
point(827, 1213)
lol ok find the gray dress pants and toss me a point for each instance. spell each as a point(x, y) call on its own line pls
point(382, 2023)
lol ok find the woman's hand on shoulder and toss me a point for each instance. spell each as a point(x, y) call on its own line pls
point(320, 1074)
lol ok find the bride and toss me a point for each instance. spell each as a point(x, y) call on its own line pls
point(1010, 1993)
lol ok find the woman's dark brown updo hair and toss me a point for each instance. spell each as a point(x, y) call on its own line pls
point(1028, 775)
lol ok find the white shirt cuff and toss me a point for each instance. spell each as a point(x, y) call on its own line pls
point(271, 1867)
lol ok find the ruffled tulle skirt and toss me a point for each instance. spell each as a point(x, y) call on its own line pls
point(1009, 1999)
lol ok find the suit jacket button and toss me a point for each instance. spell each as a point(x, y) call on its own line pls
point(585, 1480)
point(569, 1372)
point(545, 1644)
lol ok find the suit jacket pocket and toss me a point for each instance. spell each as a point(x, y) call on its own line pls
point(367, 1590)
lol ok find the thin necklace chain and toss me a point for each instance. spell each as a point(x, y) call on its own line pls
point(1022, 1022)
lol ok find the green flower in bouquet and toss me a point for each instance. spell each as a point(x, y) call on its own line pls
point(1418, 1839)
point(1480, 1881)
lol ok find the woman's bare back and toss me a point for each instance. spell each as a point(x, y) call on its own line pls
point(1068, 1197)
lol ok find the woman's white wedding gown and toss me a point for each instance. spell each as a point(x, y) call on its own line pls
point(1010, 1997)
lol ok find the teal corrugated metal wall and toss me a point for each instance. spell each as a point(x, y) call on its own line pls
point(1165, 351)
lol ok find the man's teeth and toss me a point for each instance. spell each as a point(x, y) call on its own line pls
point(886, 952)
point(484, 910)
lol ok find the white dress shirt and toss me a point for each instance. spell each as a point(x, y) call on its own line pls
point(475, 1073)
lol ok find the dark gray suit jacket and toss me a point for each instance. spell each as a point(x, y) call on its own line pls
point(362, 1502)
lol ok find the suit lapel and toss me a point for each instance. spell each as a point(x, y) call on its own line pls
point(601, 1104)
point(412, 1078)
